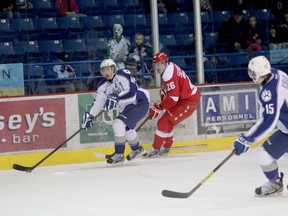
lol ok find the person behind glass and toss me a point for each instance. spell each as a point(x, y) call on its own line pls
point(161, 6)
point(64, 72)
point(254, 39)
point(119, 91)
point(274, 37)
point(68, 8)
point(283, 27)
point(273, 102)
point(8, 9)
point(118, 47)
point(179, 99)
point(135, 62)
point(234, 32)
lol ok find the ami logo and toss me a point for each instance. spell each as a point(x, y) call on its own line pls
point(228, 107)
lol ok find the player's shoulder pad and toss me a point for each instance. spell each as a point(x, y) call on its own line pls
point(101, 83)
point(168, 73)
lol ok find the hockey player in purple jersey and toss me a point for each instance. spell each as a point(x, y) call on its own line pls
point(120, 88)
point(273, 100)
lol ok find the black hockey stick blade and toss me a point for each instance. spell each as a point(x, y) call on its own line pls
point(175, 194)
point(22, 168)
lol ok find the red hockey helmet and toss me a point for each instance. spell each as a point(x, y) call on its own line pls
point(160, 56)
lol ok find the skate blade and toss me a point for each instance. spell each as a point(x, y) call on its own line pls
point(115, 165)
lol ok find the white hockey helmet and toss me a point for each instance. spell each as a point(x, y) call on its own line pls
point(107, 63)
point(258, 68)
point(117, 30)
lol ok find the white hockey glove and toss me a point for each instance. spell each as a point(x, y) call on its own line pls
point(242, 144)
point(87, 121)
point(111, 102)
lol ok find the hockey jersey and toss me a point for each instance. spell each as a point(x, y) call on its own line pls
point(273, 101)
point(177, 86)
point(125, 86)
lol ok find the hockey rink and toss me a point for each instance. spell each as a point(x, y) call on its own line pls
point(134, 189)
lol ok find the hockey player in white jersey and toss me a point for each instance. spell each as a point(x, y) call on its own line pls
point(273, 101)
point(120, 88)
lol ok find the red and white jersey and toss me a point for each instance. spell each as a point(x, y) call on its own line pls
point(177, 86)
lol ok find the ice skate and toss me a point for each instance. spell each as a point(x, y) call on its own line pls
point(151, 153)
point(164, 151)
point(271, 187)
point(116, 159)
point(134, 154)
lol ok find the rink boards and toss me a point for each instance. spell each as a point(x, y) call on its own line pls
point(31, 127)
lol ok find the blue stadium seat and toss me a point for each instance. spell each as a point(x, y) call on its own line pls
point(26, 46)
point(115, 10)
point(36, 57)
point(180, 62)
point(51, 46)
point(109, 3)
point(210, 39)
point(245, 15)
point(24, 24)
point(27, 12)
point(184, 39)
point(95, 44)
point(31, 35)
point(92, 22)
point(135, 20)
point(136, 9)
point(48, 12)
point(86, 3)
point(261, 14)
point(74, 45)
point(33, 71)
point(187, 28)
point(11, 58)
point(5, 25)
point(219, 16)
point(94, 11)
point(181, 17)
point(126, 3)
point(112, 19)
point(168, 40)
point(73, 33)
point(97, 47)
point(167, 29)
point(37, 4)
point(69, 22)
point(205, 18)
point(54, 34)
point(8, 36)
point(45, 23)
point(162, 19)
point(7, 48)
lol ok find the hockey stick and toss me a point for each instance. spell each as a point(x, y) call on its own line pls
point(174, 194)
point(29, 169)
point(106, 156)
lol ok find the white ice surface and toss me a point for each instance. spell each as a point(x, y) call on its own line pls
point(134, 189)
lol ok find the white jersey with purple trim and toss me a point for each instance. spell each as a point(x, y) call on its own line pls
point(273, 100)
point(124, 85)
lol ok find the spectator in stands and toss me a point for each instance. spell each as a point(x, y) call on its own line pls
point(274, 37)
point(148, 45)
point(65, 71)
point(118, 47)
point(68, 8)
point(283, 27)
point(234, 32)
point(8, 9)
point(254, 39)
point(135, 62)
point(161, 6)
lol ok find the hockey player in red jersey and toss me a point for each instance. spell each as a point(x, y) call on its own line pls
point(179, 99)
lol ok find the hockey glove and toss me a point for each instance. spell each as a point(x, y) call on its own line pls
point(111, 101)
point(155, 111)
point(87, 121)
point(242, 144)
point(162, 94)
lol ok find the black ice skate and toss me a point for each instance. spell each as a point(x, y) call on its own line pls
point(116, 159)
point(134, 154)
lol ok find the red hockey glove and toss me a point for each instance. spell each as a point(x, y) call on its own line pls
point(162, 93)
point(155, 111)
